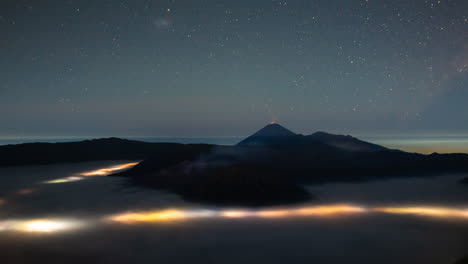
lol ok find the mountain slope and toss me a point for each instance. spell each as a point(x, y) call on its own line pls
point(348, 143)
point(272, 133)
point(275, 134)
point(93, 150)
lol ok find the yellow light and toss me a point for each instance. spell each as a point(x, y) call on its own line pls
point(442, 212)
point(110, 170)
point(235, 214)
point(64, 180)
point(40, 225)
point(99, 172)
point(325, 210)
point(331, 210)
point(155, 216)
point(274, 213)
point(6, 225)
point(43, 226)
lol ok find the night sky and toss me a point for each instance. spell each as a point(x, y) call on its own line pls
point(226, 68)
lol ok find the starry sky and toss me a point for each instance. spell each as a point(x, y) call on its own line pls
point(226, 68)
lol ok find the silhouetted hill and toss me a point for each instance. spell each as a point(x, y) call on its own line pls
point(91, 150)
point(275, 134)
point(240, 184)
point(345, 142)
point(276, 157)
point(271, 133)
point(462, 261)
point(265, 168)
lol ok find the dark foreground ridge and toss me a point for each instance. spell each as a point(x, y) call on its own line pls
point(462, 261)
point(269, 167)
point(94, 150)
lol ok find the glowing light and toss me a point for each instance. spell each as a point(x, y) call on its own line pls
point(325, 210)
point(442, 212)
point(99, 172)
point(155, 216)
point(110, 170)
point(6, 225)
point(179, 214)
point(331, 210)
point(40, 225)
point(274, 213)
point(2, 202)
point(64, 180)
point(236, 214)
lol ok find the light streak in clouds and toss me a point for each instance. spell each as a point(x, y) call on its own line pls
point(160, 216)
point(174, 215)
point(109, 170)
point(322, 211)
point(41, 225)
point(440, 212)
point(99, 172)
point(64, 180)
point(330, 210)
point(178, 214)
point(235, 214)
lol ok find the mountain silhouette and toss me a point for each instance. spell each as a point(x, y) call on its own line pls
point(269, 167)
point(346, 142)
point(275, 134)
point(271, 133)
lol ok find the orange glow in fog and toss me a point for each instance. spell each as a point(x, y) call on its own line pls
point(441, 212)
point(159, 216)
point(180, 214)
point(98, 172)
point(45, 225)
point(110, 170)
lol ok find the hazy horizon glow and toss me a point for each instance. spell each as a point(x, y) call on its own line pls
point(99, 172)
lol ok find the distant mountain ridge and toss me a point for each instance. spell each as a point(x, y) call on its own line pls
point(346, 142)
point(275, 134)
point(267, 135)
point(267, 168)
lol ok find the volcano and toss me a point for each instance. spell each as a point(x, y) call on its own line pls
point(277, 135)
point(269, 134)
point(270, 167)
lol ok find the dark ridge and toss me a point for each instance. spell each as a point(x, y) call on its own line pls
point(275, 134)
point(92, 150)
point(346, 142)
point(266, 168)
point(462, 261)
point(269, 134)
point(233, 185)
point(255, 175)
